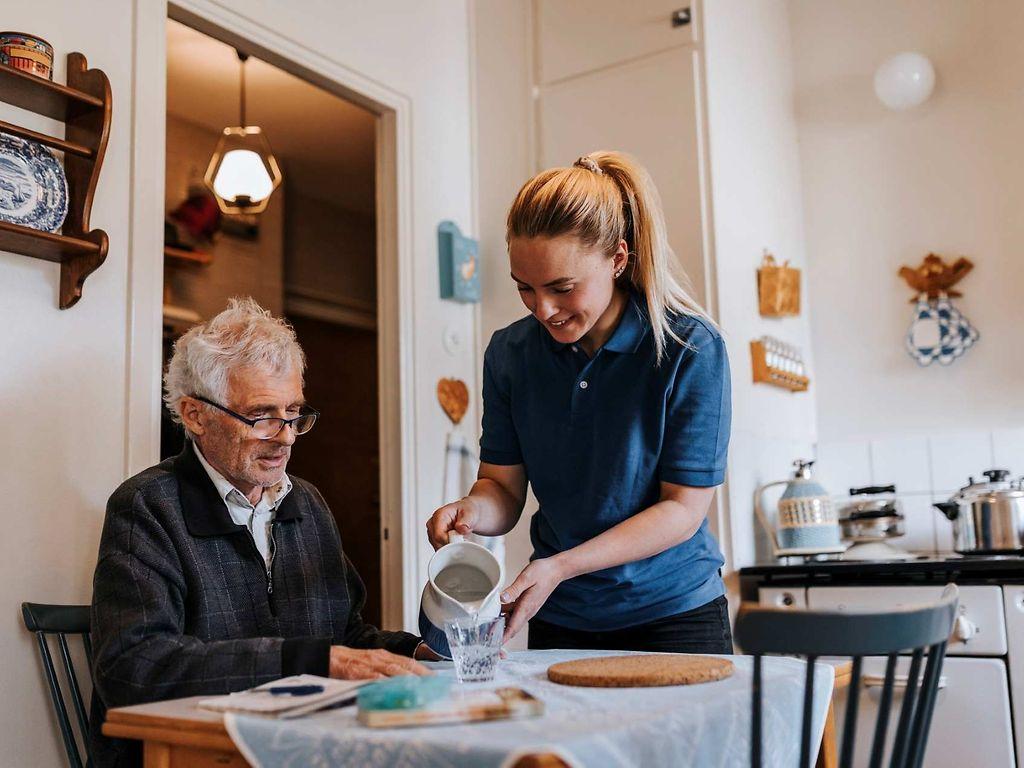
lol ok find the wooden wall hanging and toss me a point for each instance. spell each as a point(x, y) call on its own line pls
point(934, 277)
point(83, 105)
point(778, 288)
point(453, 394)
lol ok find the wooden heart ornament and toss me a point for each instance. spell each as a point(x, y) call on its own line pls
point(454, 398)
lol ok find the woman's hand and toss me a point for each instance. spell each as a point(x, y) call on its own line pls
point(358, 664)
point(460, 516)
point(523, 597)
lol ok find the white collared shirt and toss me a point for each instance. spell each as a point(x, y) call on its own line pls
point(257, 518)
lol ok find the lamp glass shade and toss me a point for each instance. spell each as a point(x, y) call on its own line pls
point(905, 81)
point(243, 172)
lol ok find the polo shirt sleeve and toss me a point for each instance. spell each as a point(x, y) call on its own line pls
point(499, 442)
point(698, 415)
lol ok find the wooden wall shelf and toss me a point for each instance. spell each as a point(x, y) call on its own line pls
point(181, 256)
point(84, 106)
point(766, 373)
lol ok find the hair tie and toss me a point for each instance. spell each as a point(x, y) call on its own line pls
point(589, 164)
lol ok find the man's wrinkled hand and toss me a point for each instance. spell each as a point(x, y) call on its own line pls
point(358, 664)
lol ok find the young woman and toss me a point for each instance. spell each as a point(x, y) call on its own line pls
point(612, 400)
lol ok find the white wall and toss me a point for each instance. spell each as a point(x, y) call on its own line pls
point(884, 188)
point(503, 113)
point(756, 204)
point(62, 392)
point(330, 261)
point(881, 190)
point(63, 373)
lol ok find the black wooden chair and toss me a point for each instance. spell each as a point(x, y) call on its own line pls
point(920, 631)
point(61, 621)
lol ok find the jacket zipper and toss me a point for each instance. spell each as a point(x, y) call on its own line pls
point(270, 560)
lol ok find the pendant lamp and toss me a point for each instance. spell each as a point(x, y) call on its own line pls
point(243, 172)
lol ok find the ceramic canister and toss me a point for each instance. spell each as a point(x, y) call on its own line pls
point(28, 53)
point(463, 580)
point(807, 517)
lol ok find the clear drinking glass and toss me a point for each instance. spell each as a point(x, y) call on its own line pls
point(475, 645)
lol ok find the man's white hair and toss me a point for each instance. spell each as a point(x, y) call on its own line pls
point(243, 335)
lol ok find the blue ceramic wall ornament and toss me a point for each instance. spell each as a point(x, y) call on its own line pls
point(459, 263)
point(938, 331)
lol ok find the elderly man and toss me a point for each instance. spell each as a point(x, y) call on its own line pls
point(217, 571)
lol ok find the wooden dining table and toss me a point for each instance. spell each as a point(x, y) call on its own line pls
point(178, 733)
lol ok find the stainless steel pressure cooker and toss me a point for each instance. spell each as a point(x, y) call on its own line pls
point(987, 517)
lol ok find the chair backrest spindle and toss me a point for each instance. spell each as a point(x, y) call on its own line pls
point(61, 621)
point(921, 631)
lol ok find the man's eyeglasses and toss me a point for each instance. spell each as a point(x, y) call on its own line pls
point(267, 427)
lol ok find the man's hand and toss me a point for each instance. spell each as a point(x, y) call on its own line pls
point(459, 516)
point(525, 596)
point(357, 664)
point(424, 652)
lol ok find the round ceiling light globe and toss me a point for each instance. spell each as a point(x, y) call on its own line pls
point(905, 81)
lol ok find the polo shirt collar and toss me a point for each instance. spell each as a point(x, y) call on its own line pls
point(628, 334)
point(203, 508)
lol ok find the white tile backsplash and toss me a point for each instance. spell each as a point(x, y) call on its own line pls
point(903, 462)
point(1008, 450)
point(956, 456)
point(924, 469)
point(840, 466)
point(920, 524)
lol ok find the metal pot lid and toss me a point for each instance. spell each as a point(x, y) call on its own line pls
point(872, 510)
point(873, 505)
point(997, 484)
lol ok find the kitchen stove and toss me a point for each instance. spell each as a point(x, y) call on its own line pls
point(982, 691)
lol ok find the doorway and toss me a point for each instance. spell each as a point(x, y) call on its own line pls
point(311, 256)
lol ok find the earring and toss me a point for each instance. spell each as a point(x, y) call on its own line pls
point(619, 271)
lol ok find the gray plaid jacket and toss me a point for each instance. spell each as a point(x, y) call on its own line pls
point(182, 604)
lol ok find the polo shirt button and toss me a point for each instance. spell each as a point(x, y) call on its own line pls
point(583, 385)
point(575, 348)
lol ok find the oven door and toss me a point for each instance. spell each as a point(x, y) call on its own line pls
point(971, 725)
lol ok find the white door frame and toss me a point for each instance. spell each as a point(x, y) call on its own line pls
point(395, 295)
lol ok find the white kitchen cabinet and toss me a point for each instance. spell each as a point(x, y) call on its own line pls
point(649, 109)
point(971, 725)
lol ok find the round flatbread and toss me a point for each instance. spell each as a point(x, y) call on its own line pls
point(638, 671)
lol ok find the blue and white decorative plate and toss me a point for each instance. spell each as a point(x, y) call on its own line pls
point(938, 331)
point(33, 187)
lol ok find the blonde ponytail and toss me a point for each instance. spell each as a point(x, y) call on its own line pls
point(603, 198)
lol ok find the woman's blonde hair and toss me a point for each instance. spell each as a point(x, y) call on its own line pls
point(603, 198)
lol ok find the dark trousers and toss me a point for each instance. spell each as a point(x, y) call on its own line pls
point(701, 630)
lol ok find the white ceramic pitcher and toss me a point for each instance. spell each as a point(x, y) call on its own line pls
point(463, 580)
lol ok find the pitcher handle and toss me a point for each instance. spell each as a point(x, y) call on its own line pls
point(455, 537)
point(760, 513)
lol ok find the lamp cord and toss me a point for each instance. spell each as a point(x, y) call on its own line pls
point(242, 58)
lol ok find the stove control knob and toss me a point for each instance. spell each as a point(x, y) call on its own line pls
point(964, 629)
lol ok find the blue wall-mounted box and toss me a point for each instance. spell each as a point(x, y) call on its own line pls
point(459, 263)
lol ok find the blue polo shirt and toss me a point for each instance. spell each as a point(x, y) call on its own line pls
point(596, 436)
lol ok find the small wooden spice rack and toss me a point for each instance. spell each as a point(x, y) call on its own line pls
point(784, 372)
point(84, 106)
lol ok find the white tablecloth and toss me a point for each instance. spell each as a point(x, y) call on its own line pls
point(703, 725)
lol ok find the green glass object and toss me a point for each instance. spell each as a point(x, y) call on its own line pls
point(405, 692)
